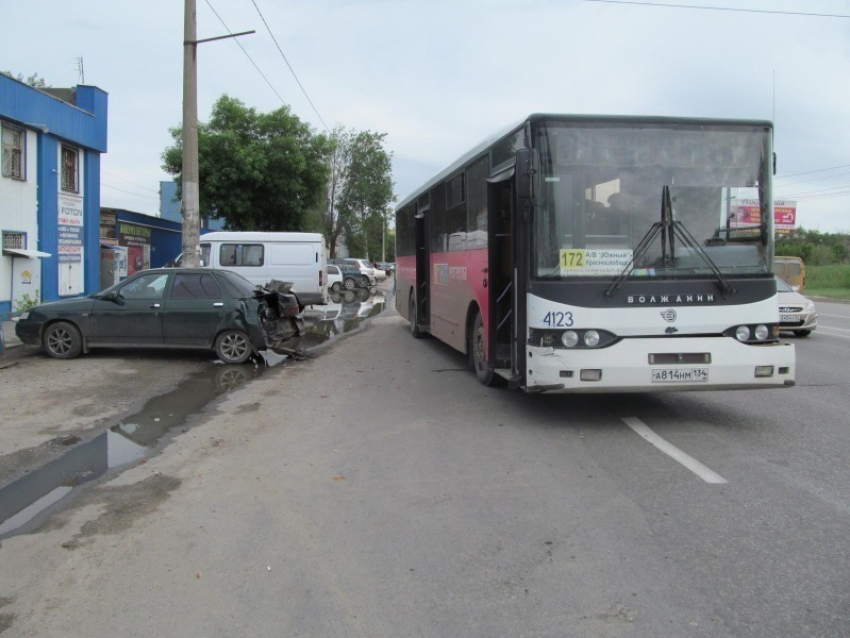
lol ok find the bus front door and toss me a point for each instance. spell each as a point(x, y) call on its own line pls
point(503, 356)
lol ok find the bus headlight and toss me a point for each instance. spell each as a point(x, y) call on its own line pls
point(742, 333)
point(569, 339)
point(591, 338)
point(762, 332)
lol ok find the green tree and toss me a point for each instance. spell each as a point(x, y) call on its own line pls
point(258, 171)
point(339, 158)
point(367, 193)
point(33, 80)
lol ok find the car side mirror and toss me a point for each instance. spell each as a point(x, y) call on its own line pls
point(113, 296)
point(795, 288)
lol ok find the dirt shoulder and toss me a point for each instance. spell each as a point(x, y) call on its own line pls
point(48, 403)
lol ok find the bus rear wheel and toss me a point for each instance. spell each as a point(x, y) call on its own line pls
point(478, 353)
point(414, 322)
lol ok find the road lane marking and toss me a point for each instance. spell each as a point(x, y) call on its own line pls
point(829, 334)
point(706, 474)
point(835, 316)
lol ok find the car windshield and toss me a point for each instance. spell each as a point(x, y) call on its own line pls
point(652, 200)
point(781, 286)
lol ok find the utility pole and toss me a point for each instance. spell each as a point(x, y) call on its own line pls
point(190, 174)
point(191, 186)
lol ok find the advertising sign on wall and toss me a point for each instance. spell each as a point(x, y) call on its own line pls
point(70, 250)
point(137, 239)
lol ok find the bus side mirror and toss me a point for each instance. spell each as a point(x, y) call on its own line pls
point(527, 174)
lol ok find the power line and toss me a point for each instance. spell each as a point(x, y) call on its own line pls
point(690, 6)
point(820, 170)
point(115, 188)
point(813, 179)
point(128, 181)
point(817, 198)
point(815, 192)
point(303, 90)
point(282, 101)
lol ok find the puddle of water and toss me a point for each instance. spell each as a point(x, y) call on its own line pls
point(127, 442)
point(133, 438)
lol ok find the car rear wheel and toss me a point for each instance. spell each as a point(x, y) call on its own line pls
point(336, 286)
point(62, 340)
point(349, 283)
point(233, 346)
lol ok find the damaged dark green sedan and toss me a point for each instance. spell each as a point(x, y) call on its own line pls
point(181, 308)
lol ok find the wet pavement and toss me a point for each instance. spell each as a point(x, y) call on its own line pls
point(27, 500)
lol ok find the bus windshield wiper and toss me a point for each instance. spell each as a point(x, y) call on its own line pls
point(669, 229)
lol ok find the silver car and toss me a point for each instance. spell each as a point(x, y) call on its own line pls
point(797, 313)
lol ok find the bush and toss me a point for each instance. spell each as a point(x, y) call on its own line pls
point(835, 277)
point(26, 302)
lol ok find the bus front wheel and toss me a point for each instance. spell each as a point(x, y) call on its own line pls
point(478, 353)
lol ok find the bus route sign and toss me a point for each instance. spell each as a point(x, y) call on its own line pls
point(595, 261)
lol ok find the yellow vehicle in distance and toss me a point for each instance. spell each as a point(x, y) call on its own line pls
point(791, 270)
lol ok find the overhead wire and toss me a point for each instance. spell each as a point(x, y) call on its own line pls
point(102, 170)
point(819, 170)
point(239, 44)
point(301, 86)
point(734, 9)
point(102, 183)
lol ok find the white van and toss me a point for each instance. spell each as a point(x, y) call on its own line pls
point(260, 257)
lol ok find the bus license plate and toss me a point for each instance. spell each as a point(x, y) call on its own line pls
point(680, 375)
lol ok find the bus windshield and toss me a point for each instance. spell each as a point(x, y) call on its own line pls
point(652, 200)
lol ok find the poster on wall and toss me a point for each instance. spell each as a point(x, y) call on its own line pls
point(137, 239)
point(70, 248)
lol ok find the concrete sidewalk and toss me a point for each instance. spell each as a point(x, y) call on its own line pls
point(10, 340)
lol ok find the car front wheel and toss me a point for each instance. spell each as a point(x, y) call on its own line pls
point(336, 286)
point(62, 340)
point(233, 346)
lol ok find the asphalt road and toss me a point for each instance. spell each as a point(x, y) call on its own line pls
point(379, 490)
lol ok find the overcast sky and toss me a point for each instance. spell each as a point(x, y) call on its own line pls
point(439, 76)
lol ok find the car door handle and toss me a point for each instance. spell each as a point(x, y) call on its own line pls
point(218, 304)
point(155, 305)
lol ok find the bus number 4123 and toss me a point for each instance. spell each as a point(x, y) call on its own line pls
point(558, 319)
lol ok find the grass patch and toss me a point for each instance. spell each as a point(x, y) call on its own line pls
point(828, 278)
point(830, 293)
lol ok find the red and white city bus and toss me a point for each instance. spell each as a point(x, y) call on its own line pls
point(601, 254)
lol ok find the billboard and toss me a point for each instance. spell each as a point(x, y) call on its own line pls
point(746, 213)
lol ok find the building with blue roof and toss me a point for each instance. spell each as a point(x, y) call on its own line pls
point(52, 140)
